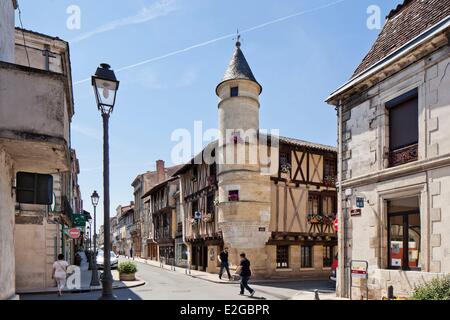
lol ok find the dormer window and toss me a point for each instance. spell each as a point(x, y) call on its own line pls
point(234, 92)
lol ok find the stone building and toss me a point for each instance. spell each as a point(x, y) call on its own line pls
point(37, 189)
point(394, 154)
point(280, 212)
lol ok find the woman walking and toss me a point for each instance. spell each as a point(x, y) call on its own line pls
point(60, 273)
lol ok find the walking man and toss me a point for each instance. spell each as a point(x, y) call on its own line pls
point(131, 253)
point(245, 272)
point(224, 264)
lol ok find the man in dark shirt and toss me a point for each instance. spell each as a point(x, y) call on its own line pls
point(245, 272)
point(224, 265)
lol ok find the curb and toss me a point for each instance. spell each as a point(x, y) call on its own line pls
point(85, 290)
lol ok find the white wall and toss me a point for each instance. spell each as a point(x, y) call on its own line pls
point(7, 31)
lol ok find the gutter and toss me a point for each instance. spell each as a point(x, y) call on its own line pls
point(402, 51)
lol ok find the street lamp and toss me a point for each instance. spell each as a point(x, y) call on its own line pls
point(94, 278)
point(105, 87)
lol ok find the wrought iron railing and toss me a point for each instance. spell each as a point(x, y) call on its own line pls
point(404, 155)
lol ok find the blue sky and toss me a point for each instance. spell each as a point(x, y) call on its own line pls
point(298, 60)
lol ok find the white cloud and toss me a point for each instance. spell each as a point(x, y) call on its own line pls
point(157, 9)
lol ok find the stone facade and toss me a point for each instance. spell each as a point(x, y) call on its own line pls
point(367, 172)
point(7, 22)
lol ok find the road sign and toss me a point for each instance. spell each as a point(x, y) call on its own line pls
point(79, 220)
point(336, 224)
point(360, 201)
point(74, 233)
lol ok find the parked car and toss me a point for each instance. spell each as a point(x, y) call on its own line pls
point(334, 266)
point(114, 260)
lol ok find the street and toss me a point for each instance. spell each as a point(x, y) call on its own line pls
point(166, 285)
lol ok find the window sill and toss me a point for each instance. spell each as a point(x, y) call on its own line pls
point(307, 269)
point(326, 269)
point(283, 270)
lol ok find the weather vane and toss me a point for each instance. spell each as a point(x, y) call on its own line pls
point(238, 38)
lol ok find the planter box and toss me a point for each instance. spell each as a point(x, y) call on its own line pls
point(127, 277)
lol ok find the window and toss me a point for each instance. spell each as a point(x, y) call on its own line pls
point(330, 171)
point(328, 256)
point(404, 234)
point(234, 92)
point(210, 204)
point(306, 257)
point(233, 195)
point(213, 170)
point(314, 203)
point(403, 128)
point(282, 257)
point(329, 205)
point(34, 188)
point(194, 174)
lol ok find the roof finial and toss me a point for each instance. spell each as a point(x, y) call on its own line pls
point(238, 39)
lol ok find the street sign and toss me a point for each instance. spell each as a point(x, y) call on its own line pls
point(198, 215)
point(355, 212)
point(79, 220)
point(74, 233)
point(336, 225)
point(360, 201)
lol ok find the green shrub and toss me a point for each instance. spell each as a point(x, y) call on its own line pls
point(437, 289)
point(127, 267)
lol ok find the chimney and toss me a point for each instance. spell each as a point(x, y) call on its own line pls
point(160, 170)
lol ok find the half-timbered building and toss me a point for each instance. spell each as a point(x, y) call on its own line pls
point(282, 218)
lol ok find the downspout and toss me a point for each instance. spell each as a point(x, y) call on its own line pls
point(342, 253)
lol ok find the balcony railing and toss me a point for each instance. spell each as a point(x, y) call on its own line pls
point(404, 155)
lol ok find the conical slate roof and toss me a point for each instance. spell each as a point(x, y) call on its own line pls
point(239, 69)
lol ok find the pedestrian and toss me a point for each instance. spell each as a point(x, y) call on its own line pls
point(224, 264)
point(60, 273)
point(245, 273)
point(131, 253)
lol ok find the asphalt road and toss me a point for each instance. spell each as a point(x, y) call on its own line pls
point(167, 285)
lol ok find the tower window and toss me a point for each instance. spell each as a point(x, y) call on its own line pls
point(233, 196)
point(235, 91)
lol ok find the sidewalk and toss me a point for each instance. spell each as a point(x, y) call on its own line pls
point(86, 285)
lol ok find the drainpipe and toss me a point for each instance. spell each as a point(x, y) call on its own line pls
point(342, 252)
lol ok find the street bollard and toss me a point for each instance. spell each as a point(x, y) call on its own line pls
point(316, 295)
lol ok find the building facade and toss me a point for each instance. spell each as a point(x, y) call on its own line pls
point(37, 167)
point(394, 154)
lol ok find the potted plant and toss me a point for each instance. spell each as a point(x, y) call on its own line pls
point(127, 271)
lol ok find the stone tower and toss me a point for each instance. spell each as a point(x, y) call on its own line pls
point(244, 193)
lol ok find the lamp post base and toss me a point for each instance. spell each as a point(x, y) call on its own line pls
point(95, 282)
point(107, 293)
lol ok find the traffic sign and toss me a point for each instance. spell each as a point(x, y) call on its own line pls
point(336, 224)
point(74, 233)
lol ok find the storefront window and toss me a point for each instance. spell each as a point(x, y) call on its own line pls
point(328, 254)
point(307, 256)
point(404, 235)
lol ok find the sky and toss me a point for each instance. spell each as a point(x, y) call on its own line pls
point(169, 56)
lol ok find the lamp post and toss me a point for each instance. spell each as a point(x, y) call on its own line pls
point(105, 87)
point(94, 278)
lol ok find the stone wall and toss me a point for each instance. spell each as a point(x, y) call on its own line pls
point(7, 265)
